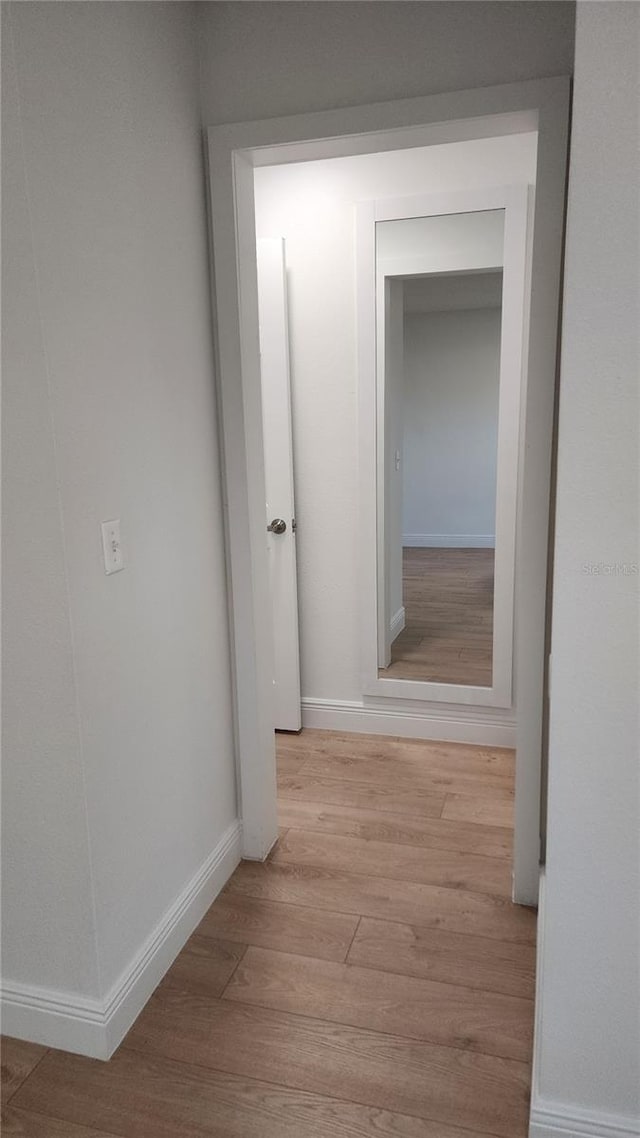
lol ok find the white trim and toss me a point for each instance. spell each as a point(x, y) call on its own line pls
point(381, 687)
point(55, 1019)
point(421, 265)
point(371, 128)
point(449, 540)
point(397, 623)
point(95, 1027)
point(554, 1120)
point(369, 719)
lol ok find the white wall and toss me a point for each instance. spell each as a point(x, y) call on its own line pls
point(261, 60)
point(48, 921)
point(452, 380)
point(312, 206)
point(118, 768)
point(457, 290)
point(446, 243)
point(588, 1041)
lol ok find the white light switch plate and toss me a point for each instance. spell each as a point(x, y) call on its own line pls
point(111, 546)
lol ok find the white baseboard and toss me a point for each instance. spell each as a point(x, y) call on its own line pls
point(95, 1027)
point(411, 723)
point(397, 623)
point(449, 540)
point(55, 1019)
point(555, 1119)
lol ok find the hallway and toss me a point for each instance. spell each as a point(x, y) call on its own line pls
point(372, 977)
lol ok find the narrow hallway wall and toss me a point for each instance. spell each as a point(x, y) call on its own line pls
point(118, 762)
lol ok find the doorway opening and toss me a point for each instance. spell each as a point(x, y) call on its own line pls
point(244, 160)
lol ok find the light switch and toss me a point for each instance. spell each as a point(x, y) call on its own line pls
point(111, 546)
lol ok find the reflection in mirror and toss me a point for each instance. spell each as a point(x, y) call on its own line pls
point(439, 328)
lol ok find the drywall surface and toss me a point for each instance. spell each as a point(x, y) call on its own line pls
point(445, 243)
point(311, 205)
point(260, 60)
point(452, 380)
point(446, 293)
point(111, 415)
point(588, 1041)
point(48, 927)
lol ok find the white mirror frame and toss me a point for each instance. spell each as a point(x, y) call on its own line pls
point(515, 201)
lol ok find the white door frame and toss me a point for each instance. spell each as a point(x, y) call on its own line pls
point(233, 151)
point(513, 200)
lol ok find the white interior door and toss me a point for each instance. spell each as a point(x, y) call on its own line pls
point(278, 462)
point(390, 352)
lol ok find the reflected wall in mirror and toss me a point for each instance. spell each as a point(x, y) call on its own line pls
point(439, 288)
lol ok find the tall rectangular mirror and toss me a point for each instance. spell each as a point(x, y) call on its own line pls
point(440, 285)
point(449, 278)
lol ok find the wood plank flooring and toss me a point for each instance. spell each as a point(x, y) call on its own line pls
point(371, 978)
point(18, 1061)
point(448, 602)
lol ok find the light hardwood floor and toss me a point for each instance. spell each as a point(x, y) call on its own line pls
point(372, 978)
point(448, 633)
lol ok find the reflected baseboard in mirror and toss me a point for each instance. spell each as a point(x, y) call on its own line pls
point(448, 604)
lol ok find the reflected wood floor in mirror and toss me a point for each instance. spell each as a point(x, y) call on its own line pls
point(372, 976)
point(448, 633)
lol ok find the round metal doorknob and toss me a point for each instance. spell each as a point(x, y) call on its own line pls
point(277, 526)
